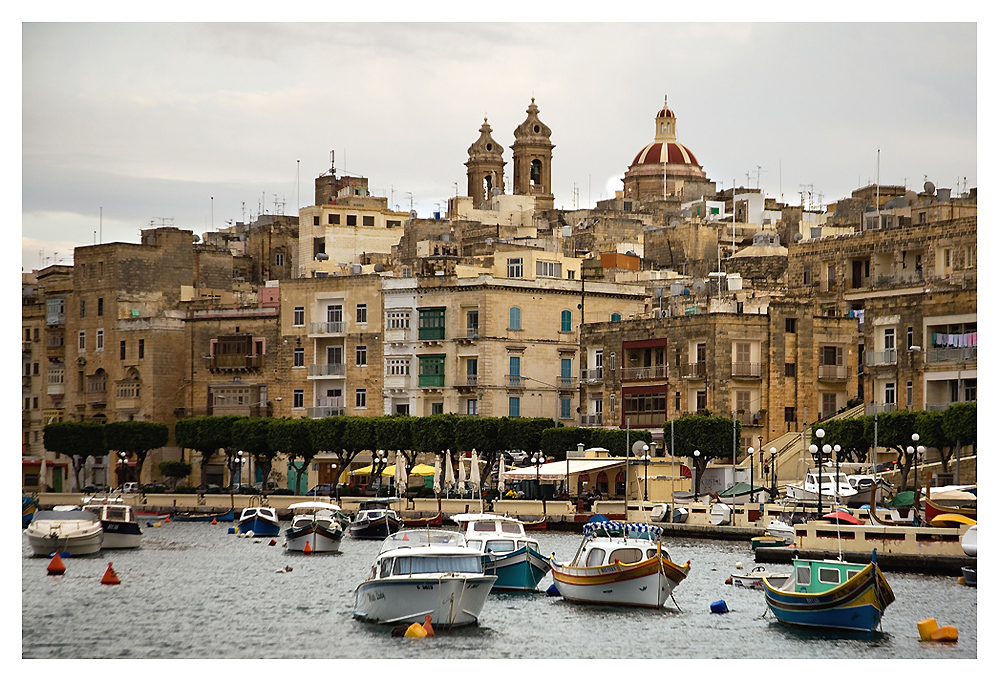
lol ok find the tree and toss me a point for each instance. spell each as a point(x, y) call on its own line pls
point(960, 425)
point(930, 426)
point(294, 438)
point(174, 471)
point(204, 434)
point(76, 440)
point(850, 434)
point(249, 434)
point(895, 431)
point(711, 437)
point(137, 438)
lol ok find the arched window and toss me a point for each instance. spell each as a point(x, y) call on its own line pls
point(566, 321)
point(602, 483)
point(536, 172)
point(620, 484)
point(515, 318)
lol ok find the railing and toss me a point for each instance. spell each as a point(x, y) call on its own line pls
point(952, 354)
point(328, 370)
point(472, 332)
point(514, 380)
point(749, 418)
point(468, 381)
point(592, 376)
point(319, 412)
point(832, 372)
point(878, 408)
point(643, 373)
point(326, 327)
point(235, 361)
point(654, 419)
point(880, 357)
point(566, 382)
point(592, 419)
point(696, 369)
point(746, 369)
point(54, 342)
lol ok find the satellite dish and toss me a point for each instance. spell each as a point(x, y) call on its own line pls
point(929, 187)
point(797, 237)
point(637, 447)
point(322, 256)
point(699, 286)
point(910, 197)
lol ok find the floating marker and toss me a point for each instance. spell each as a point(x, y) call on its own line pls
point(307, 549)
point(720, 606)
point(947, 633)
point(427, 625)
point(214, 522)
point(272, 543)
point(232, 531)
point(415, 630)
point(56, 566)
point(110, 577)
point(926, 628)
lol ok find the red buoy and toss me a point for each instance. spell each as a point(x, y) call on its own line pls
point(427, 625)
point(272, 543)
point(110, 577)
point(56, 566)
point(307, 549)
point(214, 522)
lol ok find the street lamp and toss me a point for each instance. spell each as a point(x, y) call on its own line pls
point(774, 475)
point(645, 472)
point(122, 468)
point(814, 450)
point(538, 459)
point(380, 461)
point(749, 452)
point(696, 454)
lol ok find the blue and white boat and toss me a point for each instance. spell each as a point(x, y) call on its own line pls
point(831, 594)
point(259, 521)
point(508, 553)
point(121, 527)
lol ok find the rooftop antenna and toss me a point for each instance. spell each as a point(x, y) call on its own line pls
point(297, 202)
point(333, 167)
point(212, 223)
point(101, 223)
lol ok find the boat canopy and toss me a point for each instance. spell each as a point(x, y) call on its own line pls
point(314, 505)
point(617, 529)
point(903, 499)
point(556, 471)
point(740, 488)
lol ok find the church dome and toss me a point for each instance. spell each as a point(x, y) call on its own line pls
point(664, 152)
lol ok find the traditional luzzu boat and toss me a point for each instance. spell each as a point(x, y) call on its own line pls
point(619, 564)
point(375, 520)
point(420, 572)
point(316, 525)
point(953, 500)
point(259, 521)
point(508, 553)
point(831, 594)
point(29, 505)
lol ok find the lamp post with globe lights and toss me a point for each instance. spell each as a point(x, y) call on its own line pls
point(645, 472)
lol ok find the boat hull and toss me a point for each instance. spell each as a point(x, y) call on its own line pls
point(226, 516)
point(646, 583)
point(75, 544)
point(320, 539)
point(855, 605)
point(932, 509)
point(755, 580)
point(259, 526)
point(517, 571)
point(378, 529)
point(121, 535)
point(969, 574)
point(452, 601)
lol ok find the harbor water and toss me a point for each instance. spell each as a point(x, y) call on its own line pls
point(195, 591)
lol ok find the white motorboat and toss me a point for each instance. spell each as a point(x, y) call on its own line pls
point(118, 520)
point(259, 521)
point(66, 529)
point(835, 488)
point(424, 571)
point(780, 529)
point(316, 525)
point(754, 578)
point(375, 520)
point(620, 564)
point(720, 514)
point(508, 552)
point(970, 540)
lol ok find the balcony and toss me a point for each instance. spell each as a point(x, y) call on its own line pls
point(696, 369)
point(326, 371)
point(878, 408)
point(746, 418)
point(514, 380)
point(321, 411)
point(234, 362)
point(470, 381)
point(649, 419)
point(832, 373)
point(326, 328)
point(935, 355)
point(566, 383)
point(397, 335)
point(472, 332)
point(875, 358)
point(746, 369)
point(592, 376)
point(592, 419)
point(645, 373)
point(430, 380)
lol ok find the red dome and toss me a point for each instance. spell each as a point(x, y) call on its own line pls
point(665, 113)
point(660, 153)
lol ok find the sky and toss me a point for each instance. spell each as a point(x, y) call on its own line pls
point(126, 126)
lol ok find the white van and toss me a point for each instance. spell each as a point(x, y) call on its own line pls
point(130, 487)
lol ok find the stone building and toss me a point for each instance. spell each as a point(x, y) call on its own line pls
point(532, 151)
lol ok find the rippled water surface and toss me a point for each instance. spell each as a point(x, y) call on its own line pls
point(195, 591)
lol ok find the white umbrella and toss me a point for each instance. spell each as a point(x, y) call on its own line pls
point(501, 478)
point(461, 470)
point(474, 473)
point(88, 471)
point(42, 471)
point(400, 479)
point(449, 473)
point(437, 475)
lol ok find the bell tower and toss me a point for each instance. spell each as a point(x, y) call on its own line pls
point(485, 167)
point(533, 159)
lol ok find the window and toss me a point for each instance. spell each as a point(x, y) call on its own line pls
point(889, 338)
point(352, 221)
point(299, 316)
point(790, 414)
point(315, 220)
point(515, 268)
point(565, 369)
point(548, 269)
point(472, 324)
point(790, 325)
point(361, 356)
point(789, 369)
point(34, 369)
point(100, 307)
point(368, 220)
point(279, 259)
point(403, 408)
point(890, 393)
point(299, 357)
point(430, 370)
point(333, 219)
point(829, 575)
point(515, 318)
point(471, 371)
point(566, 321)
point(99, 344)
point(742, 401)
point(909, 337)
point(612, 400)
point(677, 401)
point(742, 351)
point(514, 406)
point(121, 350)
point(298, 398)
point(616, 317)
point(832, 355)
point(398, 320)
point(83, 308)
point(829, 404)
point(564, 408)
point(806, 275)
point(970, 390)
point(319, 246)
point(360, 398)
point(909, 394)
point(613, 362)
point(82, 341)
point(437, 408)
point(514, 365)
point(430, 324)
point(362, 314)
point(397, 367)
point(142, 348)
point(472, 406)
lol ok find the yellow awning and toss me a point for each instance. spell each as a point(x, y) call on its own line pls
point(390, 471)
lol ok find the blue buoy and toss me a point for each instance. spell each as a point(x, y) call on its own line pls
point(232, 530)
point(553, 590)
point(720, 606)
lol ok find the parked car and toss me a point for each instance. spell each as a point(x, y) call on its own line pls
point(323, 489)
point(517, 457)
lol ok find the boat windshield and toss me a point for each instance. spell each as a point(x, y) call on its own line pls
point(500, 546)
point(410, 565)
point(422, 538)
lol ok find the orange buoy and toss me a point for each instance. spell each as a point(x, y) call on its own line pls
point(110, 577)
point(926, 627)
point(427, 625)
point(307, 549)
point(272, 543)
point(214, 522)
point(415, 630)
point(166, 520)
point(947, 633)
point(56, 566)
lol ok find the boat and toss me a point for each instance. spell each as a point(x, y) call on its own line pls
point(259, 521)
point(949, 502)
point(620, 564)
point(65, 529)
point(508, 552)
point(424, 522)
point(970, 540)
point(199, 516)
point(843, 516)
point(316, 525)
point(679, 515)
point(29, 505)
point(951, 521)
point(150, 516)
point(836, 489)
point(720, 514)
point(740, 493)
point(768, 541)
point(537, 525)
point(659, 513)
point(780, 529)
point(754, 578)
point(421, 572)
point(375, 520)
point(969, 575)
point(830, 593)
point(864, 483)
point(120, 525)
